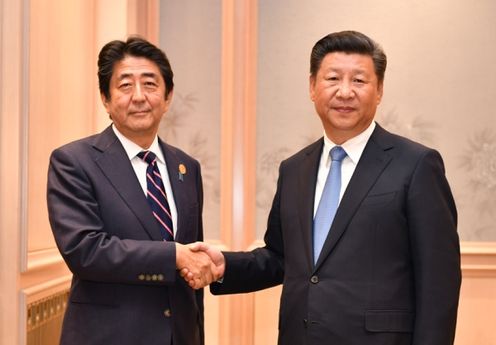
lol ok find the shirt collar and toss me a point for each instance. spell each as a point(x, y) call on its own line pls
point(132, 149)
point(353, 147)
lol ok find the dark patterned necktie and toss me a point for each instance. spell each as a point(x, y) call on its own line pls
point(156, 195)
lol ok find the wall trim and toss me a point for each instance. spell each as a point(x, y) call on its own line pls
point(488, 248)
point(43, 258)
point(35, 293)
point(45, 289)
point(478, 259)
point(24, 135)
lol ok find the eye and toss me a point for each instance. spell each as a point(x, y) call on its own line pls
point(358, 80)
point(332, 78)
point(125, 86)
point(150, 84)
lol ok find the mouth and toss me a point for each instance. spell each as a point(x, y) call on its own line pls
point(344, 109)
point(139, 113)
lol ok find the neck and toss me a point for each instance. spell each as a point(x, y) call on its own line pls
point(337, 138)
point(144, 143)
point(142, 139)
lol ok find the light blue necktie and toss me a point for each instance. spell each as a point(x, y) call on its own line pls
point(329, 202)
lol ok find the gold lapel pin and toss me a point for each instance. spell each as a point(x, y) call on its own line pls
point(182, 171)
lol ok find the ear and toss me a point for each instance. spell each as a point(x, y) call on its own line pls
point(105, 102)
point(380, 89)
point(168, 100)
point(311, 84)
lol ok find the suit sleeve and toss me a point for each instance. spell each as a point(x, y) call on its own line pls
point(432, 220)
point(83, 240)
point(260, 268)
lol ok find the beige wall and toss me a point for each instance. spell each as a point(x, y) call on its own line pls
point(193, 122)
point(60, 102)
point(256, 97)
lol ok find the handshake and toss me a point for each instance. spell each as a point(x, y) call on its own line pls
point(199, 263)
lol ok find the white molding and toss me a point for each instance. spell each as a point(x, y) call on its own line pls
point(35, 293)
point(41, 259)
point(24, 135)
point(478, 248)
point(45, 289)
point(479, 259)
point(11, 23)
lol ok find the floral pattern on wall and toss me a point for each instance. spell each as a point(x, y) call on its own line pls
point(181, 108)
point(417, 129)
point(267, 173)
point(173, 130)
point(479, 163)
point(268, 169)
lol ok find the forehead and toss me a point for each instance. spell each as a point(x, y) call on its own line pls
point(135, 66)
point(341, 61)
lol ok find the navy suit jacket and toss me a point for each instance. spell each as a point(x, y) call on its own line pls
point(125, 287)
point(389, 271)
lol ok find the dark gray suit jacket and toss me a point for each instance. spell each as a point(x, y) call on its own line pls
point(125, 288)
point(389, 271)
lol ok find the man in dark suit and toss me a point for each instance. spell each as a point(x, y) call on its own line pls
point(121, 220)
point(385, 270)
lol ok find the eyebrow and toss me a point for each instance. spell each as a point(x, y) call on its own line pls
point(355, 70)
point(146, 75)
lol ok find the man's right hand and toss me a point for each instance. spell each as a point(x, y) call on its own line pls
point(196, 265)
point(211, 274)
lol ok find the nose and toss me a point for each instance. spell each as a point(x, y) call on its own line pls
point(345, 90)
point(138, 94)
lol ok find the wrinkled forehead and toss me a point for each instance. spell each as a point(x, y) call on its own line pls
point(339, 61)
point(136, 67)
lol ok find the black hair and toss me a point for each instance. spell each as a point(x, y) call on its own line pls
point(116, 51)
point(348, 42)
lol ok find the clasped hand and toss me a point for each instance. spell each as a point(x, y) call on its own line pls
point(199, 263)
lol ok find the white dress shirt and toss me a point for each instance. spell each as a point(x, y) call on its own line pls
point(354, 148)
point(140, 167)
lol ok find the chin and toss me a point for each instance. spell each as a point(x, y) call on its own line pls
point(344, 124)
point(142, 121)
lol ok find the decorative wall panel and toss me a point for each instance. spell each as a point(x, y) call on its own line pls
point(44, 319)
point(190, 35)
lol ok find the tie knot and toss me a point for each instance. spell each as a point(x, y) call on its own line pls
point(337, 153)
point(147, 156)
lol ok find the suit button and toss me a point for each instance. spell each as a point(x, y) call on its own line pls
point(167, 313)
point(305, 323)
point(141, 277)
point(154, 277)
point(148, 277)
point(160, 277)
point(314, 279)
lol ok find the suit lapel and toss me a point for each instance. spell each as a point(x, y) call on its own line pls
point(372, 163)
point(307, 179)
point(116, 166)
